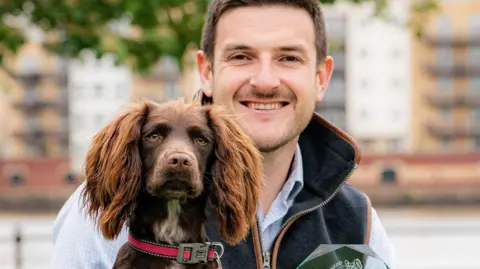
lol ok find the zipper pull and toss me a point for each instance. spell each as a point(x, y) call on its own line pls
point(266, 260)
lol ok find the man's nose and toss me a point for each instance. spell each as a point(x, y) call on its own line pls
point(265, 79)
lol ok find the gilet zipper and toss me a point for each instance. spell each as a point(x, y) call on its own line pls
point(266, 255)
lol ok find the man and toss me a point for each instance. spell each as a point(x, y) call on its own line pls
point(267, 62)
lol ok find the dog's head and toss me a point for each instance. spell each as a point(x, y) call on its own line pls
point(168, 149)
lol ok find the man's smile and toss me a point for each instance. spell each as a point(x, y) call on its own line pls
point(264, 105)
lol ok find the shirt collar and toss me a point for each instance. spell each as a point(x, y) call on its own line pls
point(294, 183)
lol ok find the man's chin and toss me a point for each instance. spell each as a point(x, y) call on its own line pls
point(265, 145)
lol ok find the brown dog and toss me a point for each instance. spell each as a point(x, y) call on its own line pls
point(157, 167)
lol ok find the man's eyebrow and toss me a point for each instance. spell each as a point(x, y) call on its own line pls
point(293, 48)
point(236, 47)
point(288, 48)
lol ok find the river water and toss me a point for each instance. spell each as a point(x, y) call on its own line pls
point(424, 238)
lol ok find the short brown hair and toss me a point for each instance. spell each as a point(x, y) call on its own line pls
point(219, 7)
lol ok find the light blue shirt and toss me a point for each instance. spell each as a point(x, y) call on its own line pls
point(78, 244)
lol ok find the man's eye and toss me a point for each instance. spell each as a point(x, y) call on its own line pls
point(154, 137)
point(239, 57)
point(201, 141)
point(290, 58)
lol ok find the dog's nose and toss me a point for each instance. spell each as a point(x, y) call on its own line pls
point(179, 160)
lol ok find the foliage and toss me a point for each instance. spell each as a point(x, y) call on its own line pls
point(158, 27)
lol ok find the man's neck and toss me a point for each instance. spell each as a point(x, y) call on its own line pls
point(276, 167)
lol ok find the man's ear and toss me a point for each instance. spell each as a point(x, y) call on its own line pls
point(200, 98)
point(324, 73)
point(204, 66)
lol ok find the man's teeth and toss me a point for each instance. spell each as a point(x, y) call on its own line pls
point(263, 106)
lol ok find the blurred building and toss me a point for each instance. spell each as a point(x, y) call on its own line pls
point(161, 84)
point(98, 89)
point(38, 98)
point(333, 105)
point(446, 80)
point(190, 81)
point(378, 78)
point(420, 178)
point(369, 91)
point(34, 91)
point(36, 183)
point(6, 86)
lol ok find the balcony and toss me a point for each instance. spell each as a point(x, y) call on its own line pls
point(35, 131)
point(33, 103)
point(452, 41)
point(453, 129)
point(455, 99)
point(457, 69)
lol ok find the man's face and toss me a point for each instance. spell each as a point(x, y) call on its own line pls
point(265, 71)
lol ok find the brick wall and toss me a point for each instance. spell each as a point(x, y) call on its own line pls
point(420, 178)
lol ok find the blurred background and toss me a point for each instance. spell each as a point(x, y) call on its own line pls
point(406, 86)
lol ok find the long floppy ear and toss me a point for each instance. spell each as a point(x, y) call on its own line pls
point(237, 176)
point(113, 171)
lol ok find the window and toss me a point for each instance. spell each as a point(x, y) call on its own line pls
point(475, 24)
point(29, 62)
point(33, 125)
point(366, 144)
point(475, 85)
point(337, 86)
point(335, 116)
point(363, 53)
point(396, 53)
point(396, 83)
point(99, 121)
point(474, 55)
point(16, 179)
point(476, 142)
point(33, 150)
point(77, 90)
point(120, 90)
point(171, 90)
point(444, 84)
point(476, 116)
point(78, 122)
point(445, 113)
point(98, 90)
point(395, 145)
point(364, 114)
point(396, 115)
point(335, 26)
point(364, 84)
point(389, 175)
point(444, 25)
point(445, 143)
point(445, 29)
point(445, 56)
point(70, 178)
point(79, 150)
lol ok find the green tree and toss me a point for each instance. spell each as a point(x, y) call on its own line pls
point(159, 27)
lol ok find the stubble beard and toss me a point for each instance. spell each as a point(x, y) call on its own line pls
point(293, 133)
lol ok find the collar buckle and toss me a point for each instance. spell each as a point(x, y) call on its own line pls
point(191, 253)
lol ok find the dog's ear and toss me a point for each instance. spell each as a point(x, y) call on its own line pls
point(113, 170)
point(237, 176)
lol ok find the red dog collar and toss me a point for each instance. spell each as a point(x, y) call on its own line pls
point(187, 253)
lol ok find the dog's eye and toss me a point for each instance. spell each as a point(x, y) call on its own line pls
point(154, 137)
point(201, 141)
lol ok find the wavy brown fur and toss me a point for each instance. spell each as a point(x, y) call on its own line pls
point(121, 162)
point(113, 170)
point(236, 157)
